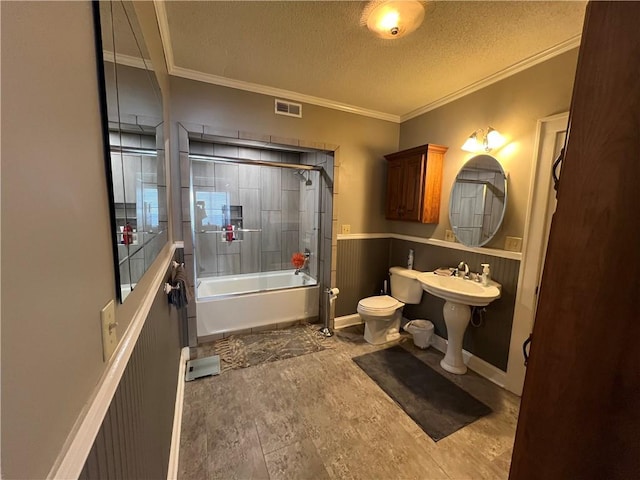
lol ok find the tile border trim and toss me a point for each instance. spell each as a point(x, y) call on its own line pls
point(434, 241)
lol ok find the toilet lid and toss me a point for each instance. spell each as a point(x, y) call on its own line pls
point(382, 302)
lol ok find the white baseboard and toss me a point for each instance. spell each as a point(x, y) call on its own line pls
point(347, 321)
point(474, 363)
point(174, 453)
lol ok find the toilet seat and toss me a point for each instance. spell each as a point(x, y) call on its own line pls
point(379, 305)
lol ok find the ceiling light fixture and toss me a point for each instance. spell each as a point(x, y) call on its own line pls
point(393, 18)
point(477, 142)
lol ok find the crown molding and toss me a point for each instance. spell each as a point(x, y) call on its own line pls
point(540, 57)
point(165, 36)
point(163, 25)
point(279, 93)
point(128, 60)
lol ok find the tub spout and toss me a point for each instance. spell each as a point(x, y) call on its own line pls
point(305, 266)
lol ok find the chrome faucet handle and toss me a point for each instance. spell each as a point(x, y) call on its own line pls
point(462, 266)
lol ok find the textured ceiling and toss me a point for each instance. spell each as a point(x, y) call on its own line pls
point(320, 49)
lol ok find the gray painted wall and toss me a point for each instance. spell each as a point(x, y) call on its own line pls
point(135, 437)
point(53, 183)
point(513, 107)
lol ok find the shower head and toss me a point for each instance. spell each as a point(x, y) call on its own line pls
point(301, 174)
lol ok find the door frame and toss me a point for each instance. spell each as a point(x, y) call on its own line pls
point(534, 242)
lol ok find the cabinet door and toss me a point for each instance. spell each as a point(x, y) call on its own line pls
point(411, 204)
point(394, 189)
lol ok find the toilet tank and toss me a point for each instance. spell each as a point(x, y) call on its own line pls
point(404, 285)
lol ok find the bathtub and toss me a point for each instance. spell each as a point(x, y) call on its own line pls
point(238, 302)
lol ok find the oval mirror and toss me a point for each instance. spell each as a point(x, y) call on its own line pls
point(478, 201)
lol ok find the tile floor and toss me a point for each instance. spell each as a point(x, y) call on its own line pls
point(319, 416)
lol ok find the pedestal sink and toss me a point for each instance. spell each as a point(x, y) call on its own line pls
point(459, 294)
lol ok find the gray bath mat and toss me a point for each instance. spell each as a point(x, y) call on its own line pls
point(246, 350)
point(439, 406)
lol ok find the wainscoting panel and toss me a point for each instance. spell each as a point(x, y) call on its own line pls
point(135, 436)
point(489, 341)
point(362, 267)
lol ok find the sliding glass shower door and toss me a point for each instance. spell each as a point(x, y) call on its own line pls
point(251, 218)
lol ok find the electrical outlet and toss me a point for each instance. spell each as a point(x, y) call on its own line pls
point(513, 244)
point(449, 236)
point(346, 229)
point(109, 334)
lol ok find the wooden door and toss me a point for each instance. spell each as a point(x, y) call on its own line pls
point(580, 410)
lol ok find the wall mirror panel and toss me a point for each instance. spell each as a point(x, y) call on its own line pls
point(133, 126)
point(478, 201)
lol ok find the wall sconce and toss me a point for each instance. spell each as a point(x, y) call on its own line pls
point(393, 18)
point(478, 142)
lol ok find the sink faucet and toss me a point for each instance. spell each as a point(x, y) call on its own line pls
point(463, 267)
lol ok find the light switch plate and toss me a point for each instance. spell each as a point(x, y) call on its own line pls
point(109, 333)
point(513, 244)
point(449, 236)
point(346, 229)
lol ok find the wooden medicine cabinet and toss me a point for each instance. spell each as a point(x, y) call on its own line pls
point(414, 183)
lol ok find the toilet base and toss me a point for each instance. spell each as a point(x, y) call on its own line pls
point(382, 330)
point(377, 338)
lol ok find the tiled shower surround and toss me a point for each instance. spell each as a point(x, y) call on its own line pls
point(287, 214)
point(270, 202)
point(275, 202)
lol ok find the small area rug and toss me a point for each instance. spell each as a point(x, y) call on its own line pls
point(246, 350)
point(439, 406)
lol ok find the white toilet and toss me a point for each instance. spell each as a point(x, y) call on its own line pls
point(382, 314)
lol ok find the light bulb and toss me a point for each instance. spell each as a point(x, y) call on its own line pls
point(393, 18)
point(472, 144)
point(494, 139)
point(389, 21)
